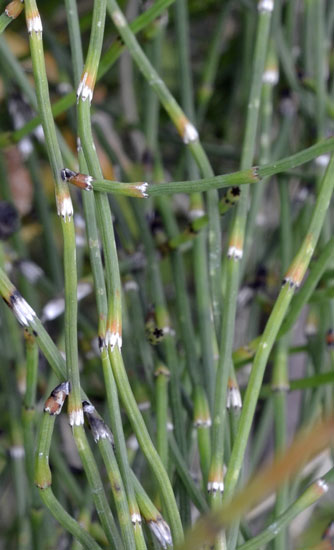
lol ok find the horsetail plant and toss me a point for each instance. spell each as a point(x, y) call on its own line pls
point(184, 303)
point(43, 478)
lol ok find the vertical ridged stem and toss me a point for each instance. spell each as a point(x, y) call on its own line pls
point(116, 423)
point(119, 494)
point(43, 481)
point(64, 206)
point(204, 309)
point(292, 280)
point(280, 379)
point(270, 79)
point(200, 258)
point(75, 39)
point(28, 412)
point(145, 443)
point(151, 515)
point(164, 324)
point(71, 312)
point(280, 387)
point(162, 375)
point(97, 489)
point(183, 471)
point(187, 132)
point(29, 435)
point(235, 251)
point(57, 362)
point(202, 423)
point(85, 93)
point(92, 164)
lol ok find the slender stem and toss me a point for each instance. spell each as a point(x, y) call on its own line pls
point(109, 318)
point(234, 255)
point(64, 207)
point(71, 312)
point(242, 177)
point(28, 411)
point(187, 132)
point(270, 79)
point(296, 384)
point(116, 423)
point(109, 58)
point(164, 325)
point(145, 442)
point(162, 375)
point(204, 310)
point(195, 494)
point(312, 494)
point(104, 440)
point(66, 521)
point(280, 372)
point(155, 521)
point(97, 489)
point(299, 300)
point(43, 481)
point(75, 39)
point(202, 423)
point(292, 280)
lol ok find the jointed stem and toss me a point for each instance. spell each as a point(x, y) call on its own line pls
point(145, 443)
point(293, 279)
point(234, 255)
point(242, 177)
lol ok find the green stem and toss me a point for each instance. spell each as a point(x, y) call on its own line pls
point(202, 423)
point(151, 515)
point(104, 440)
point(187, 132)
point(28, 411)
point(145, 443)
point(109, 318)
point(309, 497)
point(280, 372)
point(161, 389)
point(183, 471)
point(299, 300)
point(242, 177)
point(97, 489)
point(43, 481)
point(109, 58)
point(303, 383)
point(64, 207)
point(292, 280)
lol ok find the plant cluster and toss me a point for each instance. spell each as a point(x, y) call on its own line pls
point(166, 267)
